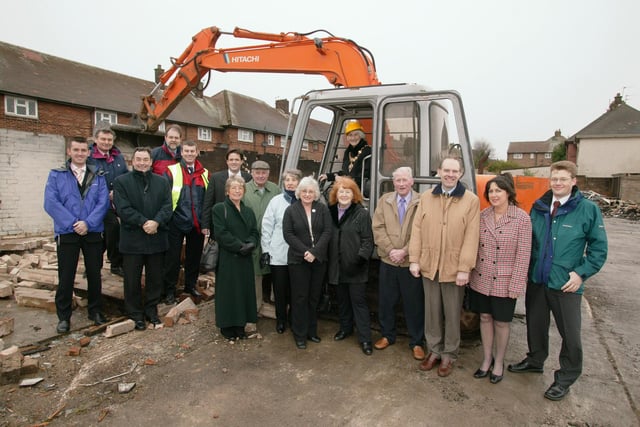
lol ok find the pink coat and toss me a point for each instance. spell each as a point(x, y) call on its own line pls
point(503, 256)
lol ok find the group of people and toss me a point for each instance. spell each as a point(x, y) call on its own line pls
point(434, 248)
point(500, 254)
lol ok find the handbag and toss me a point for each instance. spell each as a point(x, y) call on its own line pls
point(209, 258)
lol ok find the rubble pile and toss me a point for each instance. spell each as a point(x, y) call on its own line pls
point(615, 208)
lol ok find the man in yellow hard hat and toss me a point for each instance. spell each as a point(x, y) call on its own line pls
point(353, 162)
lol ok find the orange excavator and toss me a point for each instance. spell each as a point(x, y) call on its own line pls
point(406, 124)
point(341, 61)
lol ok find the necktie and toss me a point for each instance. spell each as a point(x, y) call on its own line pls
point(79, 175)
point(190, 169)
point(556, 205)
point(401, 209)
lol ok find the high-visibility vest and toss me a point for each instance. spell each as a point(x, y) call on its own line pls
point(176, 172)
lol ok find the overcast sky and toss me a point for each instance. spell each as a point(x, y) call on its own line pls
point(523, 68)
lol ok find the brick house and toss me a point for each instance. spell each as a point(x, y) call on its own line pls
point(530, 154)
point(45, 99)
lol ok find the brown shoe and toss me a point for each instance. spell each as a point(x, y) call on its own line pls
point(382, 343)
point(445, 368)
point(418, 353)
point(429, 363)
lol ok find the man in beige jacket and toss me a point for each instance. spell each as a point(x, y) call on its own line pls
point(391, 230)
point(443, 249)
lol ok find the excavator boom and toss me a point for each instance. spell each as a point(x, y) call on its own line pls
point(341, 61)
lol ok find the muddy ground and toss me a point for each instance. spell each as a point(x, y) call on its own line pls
point(188, 375)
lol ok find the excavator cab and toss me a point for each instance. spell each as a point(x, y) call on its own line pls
point(405, 125)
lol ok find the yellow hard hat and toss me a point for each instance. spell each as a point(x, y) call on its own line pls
point(353, 125)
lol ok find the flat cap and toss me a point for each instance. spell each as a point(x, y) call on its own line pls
point(260, 164)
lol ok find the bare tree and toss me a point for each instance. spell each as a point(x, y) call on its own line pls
point(482, 151)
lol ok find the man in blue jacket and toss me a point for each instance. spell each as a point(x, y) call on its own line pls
point(77, 198)
point(569, 245)
point(111, 161)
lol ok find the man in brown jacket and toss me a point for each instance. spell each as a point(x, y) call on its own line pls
point(443, 250)
point(391, 230)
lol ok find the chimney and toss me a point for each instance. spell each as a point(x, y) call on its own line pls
point(557, 133)
point(617, 101)
point(158, 72)
point(282, 105)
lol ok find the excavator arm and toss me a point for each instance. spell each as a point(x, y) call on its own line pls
point(341, 61)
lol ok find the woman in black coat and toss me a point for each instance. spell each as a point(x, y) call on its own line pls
point(306, 227)
point(237, 234)
point(350, 250)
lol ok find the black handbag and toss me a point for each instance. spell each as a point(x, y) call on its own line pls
point(209, 258)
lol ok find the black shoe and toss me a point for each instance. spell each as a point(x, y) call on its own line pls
point(140, 325)
point(63, 327)
point(98, 318)
point(340, 335)
point(118, 271)
point(193, 292)
point(525, 366)
point(314, 338)
point(280, 328)
point(229, 333)
point(367, 348)
point(495, 379)
point(556, 392)
point(479, 373)
point(301, 345)
point(170, 299)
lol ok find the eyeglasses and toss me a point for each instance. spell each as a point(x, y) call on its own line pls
point(562, 180)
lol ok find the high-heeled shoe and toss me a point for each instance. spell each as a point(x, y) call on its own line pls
point(495, 379)
point(482, 374)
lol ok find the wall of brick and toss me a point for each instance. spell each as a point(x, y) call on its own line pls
point(630, 188)
point(25, 161)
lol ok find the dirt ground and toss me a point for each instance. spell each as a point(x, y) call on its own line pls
point(188, 375)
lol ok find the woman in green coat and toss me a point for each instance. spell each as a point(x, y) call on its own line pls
point(237, 234)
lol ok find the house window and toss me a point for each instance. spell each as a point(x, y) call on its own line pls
point(162, 127)
point(106, 116)
point(271, 140)
point(517, 156)
point(283, 142)
point(547, 155)
point(532, 156)
point(21, 107)
point(245, 135)
point(204, 134)
point(305, 145)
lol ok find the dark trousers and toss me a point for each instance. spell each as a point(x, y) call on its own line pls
point(68, 249)
point(306, 287)
point(133, 299)
point(352, 305)
point(395, 283)
point(281, 291)
point(193, 251)
point(112, 238)
point(565, 306)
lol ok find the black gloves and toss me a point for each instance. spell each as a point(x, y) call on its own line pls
point(265, 260)
point(246, 248)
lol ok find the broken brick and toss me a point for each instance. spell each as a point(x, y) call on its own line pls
point(74, 351)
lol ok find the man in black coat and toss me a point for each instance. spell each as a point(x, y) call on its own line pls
point(215, 192)
point(143, 203)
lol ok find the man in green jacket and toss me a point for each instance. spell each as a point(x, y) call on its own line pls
point(569, 245)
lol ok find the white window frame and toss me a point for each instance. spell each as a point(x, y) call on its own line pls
point(547, 155)
point(517, 156)
point(271, 140)
point(532, 156)
point(204, 134)
point(20, 107)
point(305, 145)
point(106, 116)
point(245, 135)
point(283, 142)
point(162, 127)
